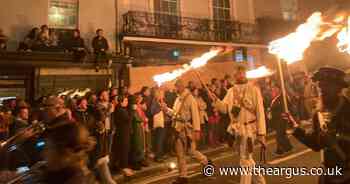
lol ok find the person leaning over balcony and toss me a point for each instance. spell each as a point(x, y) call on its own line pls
point(76, 45)
point(100, 46)
point(3, 41)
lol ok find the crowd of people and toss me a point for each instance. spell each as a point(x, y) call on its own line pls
point(44, 39)
point(134, 130)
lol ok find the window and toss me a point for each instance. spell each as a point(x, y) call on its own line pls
point(63, 14)
point(221, 10)
point(221, 15)
point(170, 7)
point(289, 9)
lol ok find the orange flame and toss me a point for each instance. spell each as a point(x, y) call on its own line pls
point(344, 38)
point(195, 63)
point(258, 73)
point(291, 47)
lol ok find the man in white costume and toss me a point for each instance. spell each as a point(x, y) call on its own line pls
point(244, 104)
point(186, 121)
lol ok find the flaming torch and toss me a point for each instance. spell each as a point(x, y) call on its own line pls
point(194, 64)
point(292, 47)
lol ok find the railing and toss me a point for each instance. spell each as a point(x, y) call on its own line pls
point(53, 59)
point(166, 26)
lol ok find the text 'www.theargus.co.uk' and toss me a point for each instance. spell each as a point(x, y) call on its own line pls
point(288, 172)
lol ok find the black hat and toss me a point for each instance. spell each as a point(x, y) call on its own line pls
point(332, 75)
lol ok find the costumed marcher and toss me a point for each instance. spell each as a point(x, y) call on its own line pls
point(186, 120)
point(331, 128)
point(244, 104)
point(277, 123)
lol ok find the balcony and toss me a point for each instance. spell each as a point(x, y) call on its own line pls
point(52, 59)
point(164, 26)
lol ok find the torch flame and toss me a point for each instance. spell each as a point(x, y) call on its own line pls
point(291, 47)
point(344, 38)
point(259, 73)
point(195, 63)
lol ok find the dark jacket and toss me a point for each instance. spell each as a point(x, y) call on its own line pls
point(99, 44)
point(338, 135)
point(17, 126)
point(121, 147)
point(75, 43)
point(85, 118)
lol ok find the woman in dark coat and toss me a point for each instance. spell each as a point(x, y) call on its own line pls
point(121, 145)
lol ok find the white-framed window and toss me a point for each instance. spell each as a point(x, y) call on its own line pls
point(170, 7)
point(63, 14)
point(289, 9)
point(221, 10)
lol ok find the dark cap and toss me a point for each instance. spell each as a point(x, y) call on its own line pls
point(332, 75)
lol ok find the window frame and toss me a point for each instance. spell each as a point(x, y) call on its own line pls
point(169, 2)
point(215, 5)
point(65, 25)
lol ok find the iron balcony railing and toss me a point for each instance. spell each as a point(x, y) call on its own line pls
point(157, 25)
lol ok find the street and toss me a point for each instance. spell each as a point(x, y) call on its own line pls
point(299, 157)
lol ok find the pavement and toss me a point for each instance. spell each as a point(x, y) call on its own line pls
point(160, 173)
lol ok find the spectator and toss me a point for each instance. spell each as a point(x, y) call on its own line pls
point(146, 134)
point(99, 43)
point(43, 42)
point(146, 104)
point(157, 112)
point(5, 122)
point(82, 114)
point(125, 91)
point(77, 45)
point(170, 132)
point(44, 28)
point(3, 41)
point(100, 46)
point(121, 146)
point(137, 142)
point(55, 109)
point(21, 121)
point(29, 40)
point(92, 100)
point(104, 109)
point(53, 37)
point(114, 95)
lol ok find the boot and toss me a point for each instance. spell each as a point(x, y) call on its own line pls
point(105, 173)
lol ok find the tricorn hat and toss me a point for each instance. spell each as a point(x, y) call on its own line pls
point(330, 74)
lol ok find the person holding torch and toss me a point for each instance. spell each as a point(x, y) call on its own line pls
point(244, 104)
point(331, 127)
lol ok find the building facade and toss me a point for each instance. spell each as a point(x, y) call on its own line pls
point(155, 35)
